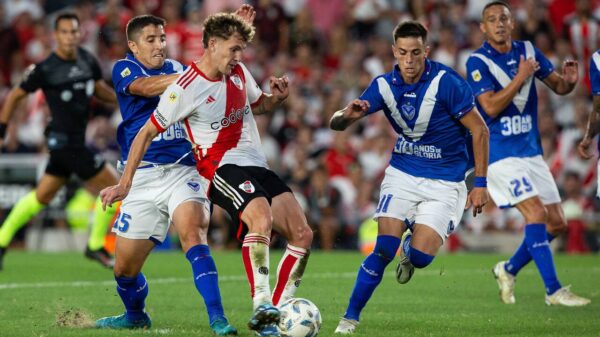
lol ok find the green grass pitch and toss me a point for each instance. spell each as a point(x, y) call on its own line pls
point(58, 294)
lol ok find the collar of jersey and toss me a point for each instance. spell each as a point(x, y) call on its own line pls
point(399, 81)
point(491, 51)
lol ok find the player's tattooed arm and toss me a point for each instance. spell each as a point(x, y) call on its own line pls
point(354, 111)
point(104, 92)
point(151, 86)
point(279, 92)
point(593, 128)
point(494, 102)
point(473, 121)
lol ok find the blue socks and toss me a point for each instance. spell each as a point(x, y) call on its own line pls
point(371, 273)
point(416, 257)
point(133, 292)
point(206, 280)
point(539, 248)
point(521, 257)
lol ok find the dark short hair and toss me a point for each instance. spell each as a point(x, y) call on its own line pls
point(224, 25)
point(495, 3)
point(410, 29)
point(65, 16)
point(136, 24)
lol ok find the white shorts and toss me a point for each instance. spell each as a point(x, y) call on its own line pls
point(155, 193)
point(512, 180)
point(438, 204)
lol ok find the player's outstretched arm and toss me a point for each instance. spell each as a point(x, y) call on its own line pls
point(13, 98)
point(279, 92)
point(354, 111)
point(138, 149)
point(564, 83)
point(104, 92)
point(494, 102)
point(478, 196)
point(593, 128)
point(151, 86)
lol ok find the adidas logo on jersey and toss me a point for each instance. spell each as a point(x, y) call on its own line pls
point(410, 94)
point(210, 99)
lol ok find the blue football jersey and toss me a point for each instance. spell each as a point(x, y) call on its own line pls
point(595, 77)
point(514, 132)
point(167, 147)
point(595, 73)
point(426, 115)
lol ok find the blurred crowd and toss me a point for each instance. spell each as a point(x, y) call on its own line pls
point(330, 50)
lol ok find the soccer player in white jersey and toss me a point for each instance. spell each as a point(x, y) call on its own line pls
point(147, 212)
point(593, 126)
point(502, 74)
point(432, 109)
point(215, 99)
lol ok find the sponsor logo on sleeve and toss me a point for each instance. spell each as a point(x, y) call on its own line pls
point(172, 97)
point(476, 75)
point(126, 72)
point(160, 119)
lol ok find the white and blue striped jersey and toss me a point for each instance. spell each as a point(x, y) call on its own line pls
point(426, 115)
point(169, 146)
point(595, 76)
point(514, 132)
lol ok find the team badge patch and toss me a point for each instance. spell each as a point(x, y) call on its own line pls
point(126, 72)
point(194, 186)
point(408, 111)
point(476, 75)
point(247, 187)
point(451, 227)
point(172, 97)
point(237, 81)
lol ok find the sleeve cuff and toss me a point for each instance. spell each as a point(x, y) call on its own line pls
point(258, 101)
point(156, 124)
point(483, 90)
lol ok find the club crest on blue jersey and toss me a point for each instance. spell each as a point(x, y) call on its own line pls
point(194, 186)
point(408, 111)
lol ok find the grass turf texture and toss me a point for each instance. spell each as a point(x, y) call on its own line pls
point(62, 294)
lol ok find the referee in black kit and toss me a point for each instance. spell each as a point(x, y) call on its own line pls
point(69, 77)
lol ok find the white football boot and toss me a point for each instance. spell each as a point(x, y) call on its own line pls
point(564, 296)
point(346, 326)
point(506, 283)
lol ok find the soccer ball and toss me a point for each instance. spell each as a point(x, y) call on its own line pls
point(299, 318)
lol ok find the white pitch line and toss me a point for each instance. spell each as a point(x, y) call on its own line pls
point(167, 280)
point(239, 278)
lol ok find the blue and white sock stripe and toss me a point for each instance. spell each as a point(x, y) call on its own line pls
point(228, 191)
